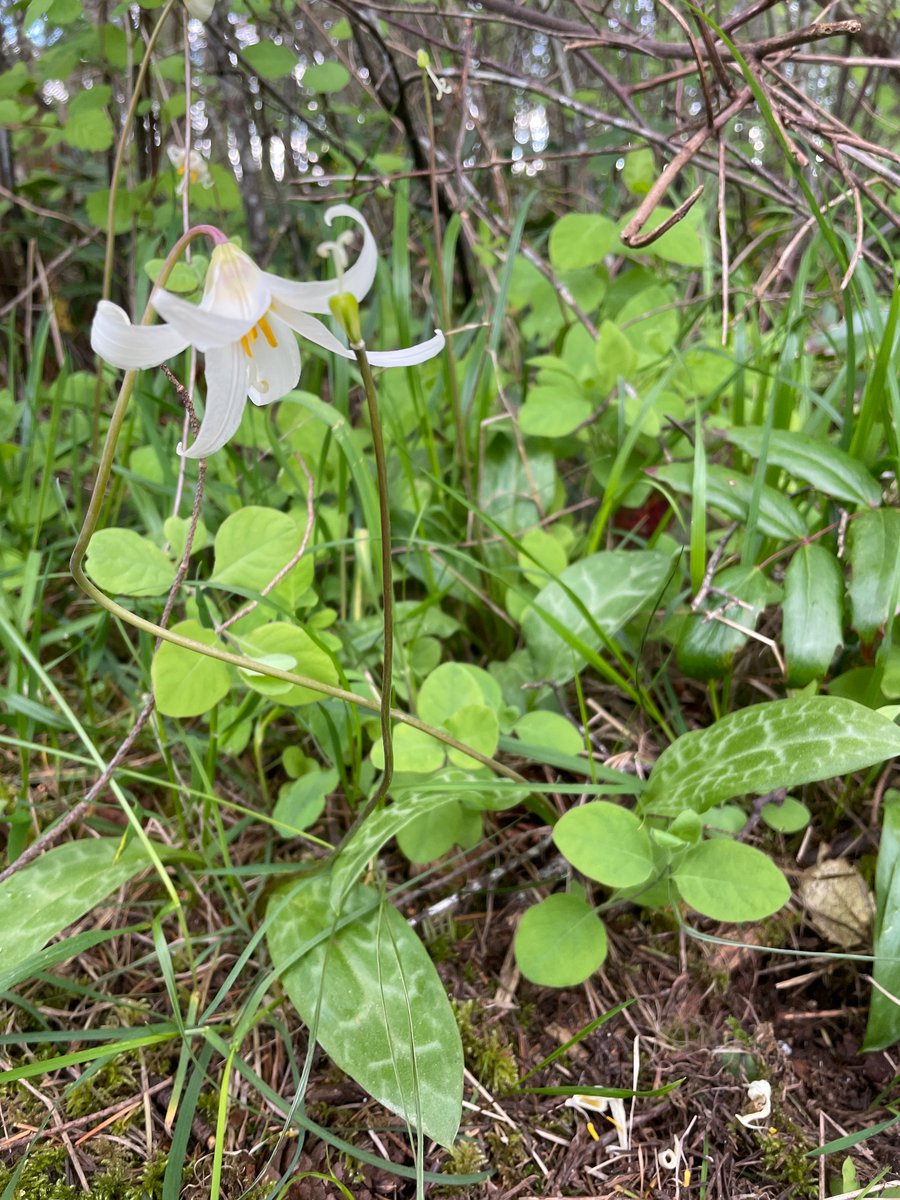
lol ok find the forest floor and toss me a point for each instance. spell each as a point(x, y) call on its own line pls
point(708, 1013)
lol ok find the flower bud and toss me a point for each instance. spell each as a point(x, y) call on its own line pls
point(345, 308)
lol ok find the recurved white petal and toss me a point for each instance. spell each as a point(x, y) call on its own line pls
point(274, 369)
point(199, 326)
point(226, 394)
point(314, 331)
point(132, 347)
point(358, 279)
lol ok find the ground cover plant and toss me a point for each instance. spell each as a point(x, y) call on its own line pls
point(448, 588)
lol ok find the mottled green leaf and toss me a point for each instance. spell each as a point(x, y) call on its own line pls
point(818, 462)
point(781, 744)
point(373, 999)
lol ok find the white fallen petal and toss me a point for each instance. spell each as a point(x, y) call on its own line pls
point(600, 1104)
point(759, 1093)
point(227, 379)
point(132, 347)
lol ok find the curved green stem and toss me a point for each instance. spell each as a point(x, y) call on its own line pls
point(387, 581)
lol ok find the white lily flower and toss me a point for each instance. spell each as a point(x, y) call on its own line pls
point(197, 168)
point(245, 324)
point(600, 1104)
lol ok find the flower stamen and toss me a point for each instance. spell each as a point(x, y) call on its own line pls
point(267, 332)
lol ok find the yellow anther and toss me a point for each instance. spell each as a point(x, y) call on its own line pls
point(254, 334)
point(245, 342)
point(592, 1131)
point(267, 332)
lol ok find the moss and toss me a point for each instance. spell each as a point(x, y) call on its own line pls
point(784, 1157)
point(490, 1060)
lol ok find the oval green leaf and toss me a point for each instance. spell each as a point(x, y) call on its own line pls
point(729, 881)
point(560, 942)
point(124, 563)
point(605, 842)
point(186, 683)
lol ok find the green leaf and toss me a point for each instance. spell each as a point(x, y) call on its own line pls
point(553, 411)
point(683, 244)
point(58, 888)
point(415, 752)
point(581, 240)
point(252, 546)
point(790, 816)
point(707, 645)
point(605, 842)
point(549, 729)
point(818, 462)
point(560, 942)
point(639, 171)
point(453, 686)
point(781, 744)
point(292, 649)
point(729, 881)
point(89, 130)
point(270, 61)
point(873, 550)
point(542, 555)
point(592, 598)
point(650, 322)
point(326, 77)
point(302, 801)
point(616, 357)
point(184, 277)
point(424, 840)
point(185, 683)
point(813, 610)
point(731, 493)
point(367, 990)
point(123, 562)
point(377, 830)
point(477, 726)
point(883, 1028)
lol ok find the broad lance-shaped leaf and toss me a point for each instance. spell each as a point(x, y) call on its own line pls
point(813, 608)
point(827, 468)
point(777, 745)
point(731, 493)
point(366, 988)
point(591, 598)
point(883, 1028)
point(378, 829)
point(58, 889)
point(873, 551)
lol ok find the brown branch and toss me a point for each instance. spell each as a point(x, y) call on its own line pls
point(677, 165)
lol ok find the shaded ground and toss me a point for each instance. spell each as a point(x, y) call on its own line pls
point(714, 1016)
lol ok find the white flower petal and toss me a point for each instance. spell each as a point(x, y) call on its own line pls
point(200, 9)
point(199, 326)
point(226, 394)
point(274, 370)
point(314, 331)
point(409, 355)
point(358, 279)
point(115, 339)
point(235, 287)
